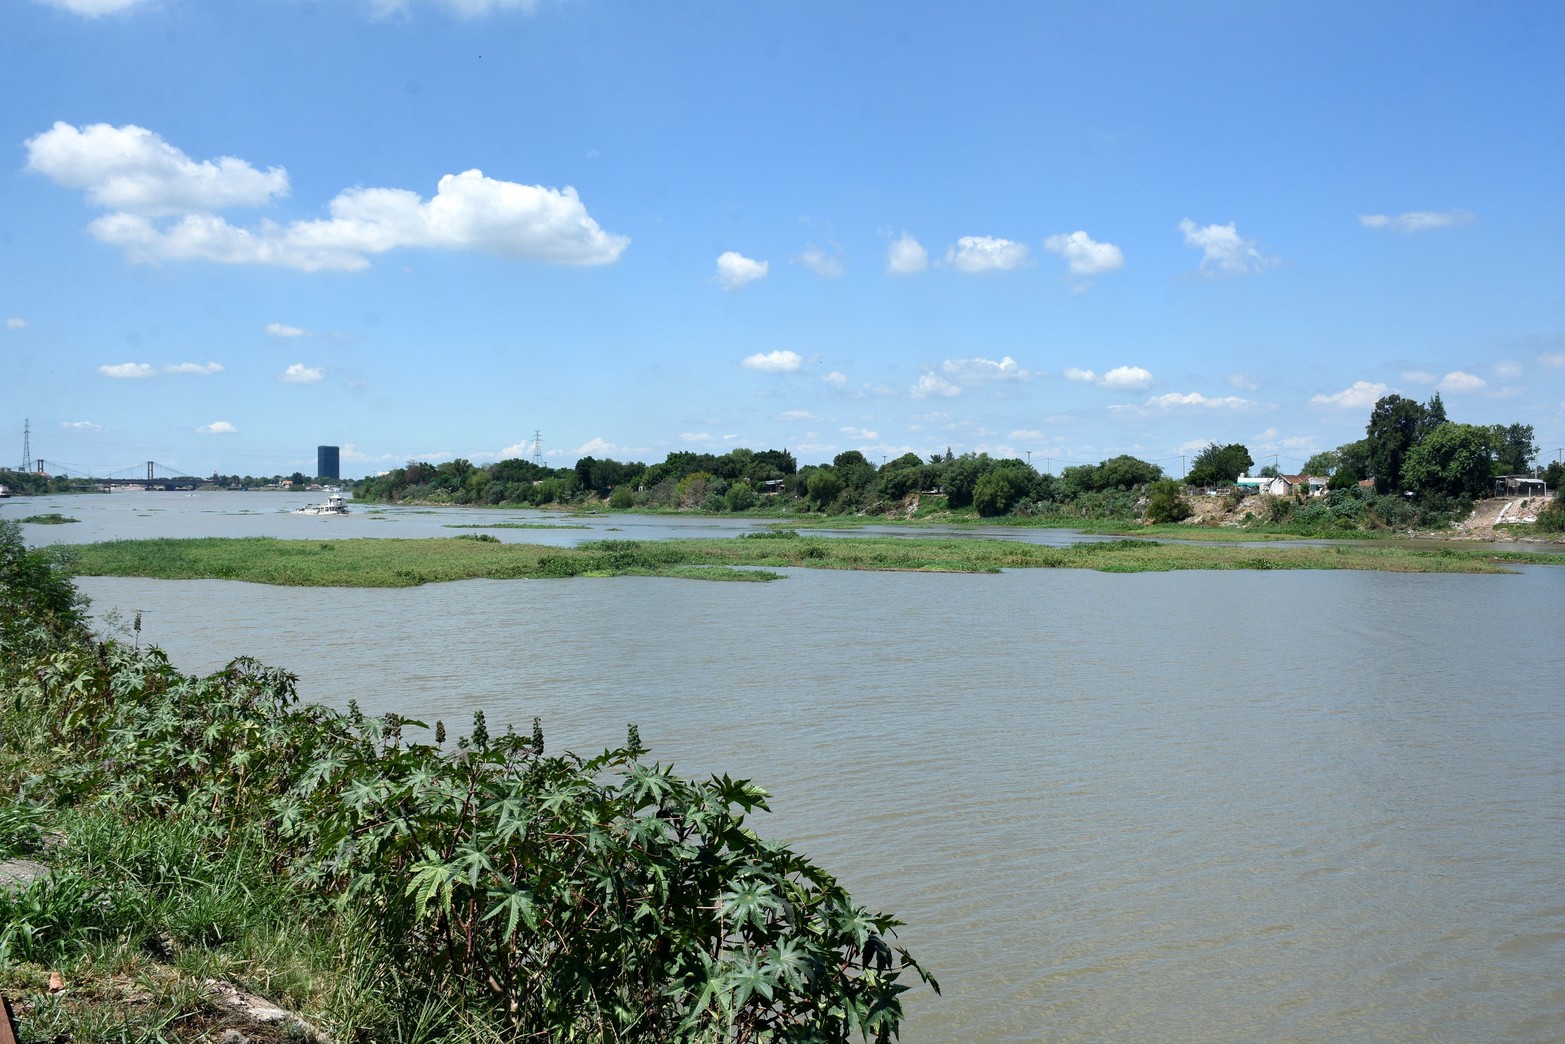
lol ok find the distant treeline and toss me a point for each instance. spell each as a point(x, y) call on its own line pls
point(771, 480)
point(29, 483)
point(1426, 471)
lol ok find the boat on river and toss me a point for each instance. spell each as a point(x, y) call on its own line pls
point(336, 504)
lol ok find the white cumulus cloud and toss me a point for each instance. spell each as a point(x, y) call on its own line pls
point(128, 370)
point(94, 8)
point(1187, 400)
point(284, 331)
point(734, 270)
point(1553, 360)
point(821, 263)
point(216, 428)
point(203, 369)
point(131, 169)
point(1127, 377)
point(973, 370)
point(906, 255)
point(299, 373)
point(1458, 381)
point(695, 436)
point(80, 426)
point(1084, 256)
point(16, 322)
point(985, 254)
point(460, 8)
point(1244, 382)
point(1359, 396)
point(598, 447)
point(796, 415)
point(1120, 378)
point(1507, 369)
point(1223, 249)
point(780, 361)
point(933, 385)
point(836, 378)
point(163, 207)
point(1417, 220)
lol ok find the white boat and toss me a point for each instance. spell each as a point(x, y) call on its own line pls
point(336, 504)
point(4, 492)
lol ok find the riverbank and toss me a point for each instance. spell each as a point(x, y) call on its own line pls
point(1213, 519)
point(181, 832)
point(407, 563)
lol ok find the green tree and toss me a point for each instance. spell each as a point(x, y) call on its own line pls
point(855, 470)
point(900, 477)
point(771, 464)
point(1219, 465)
point(1127, 472)
point(1345, 477)
point(1552, 518)
point(35, 580)
point(741, 496)
point(1514, 448)
point(1453, 460)
point(825, 486)
point(1117, 473)
point(1326, 462)
point(1434, 416)
point(1164, 503)
point(1395, 427)
point(999, 490)
point(959, 477)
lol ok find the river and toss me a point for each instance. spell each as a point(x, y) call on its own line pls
point(1192, 806)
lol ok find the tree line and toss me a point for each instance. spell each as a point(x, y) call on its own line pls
point(745, 480)
point(1424, 467)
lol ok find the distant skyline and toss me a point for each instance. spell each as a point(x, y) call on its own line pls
point(426, 229)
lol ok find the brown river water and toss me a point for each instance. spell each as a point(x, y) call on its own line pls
point(1189, 806)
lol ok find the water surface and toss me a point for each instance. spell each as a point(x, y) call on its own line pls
point(1187, 806)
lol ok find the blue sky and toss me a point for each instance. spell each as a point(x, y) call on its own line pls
point(423, 229)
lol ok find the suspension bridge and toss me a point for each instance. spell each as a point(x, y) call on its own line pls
point(150, 475)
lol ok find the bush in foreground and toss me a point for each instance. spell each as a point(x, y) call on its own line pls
point(532, 894)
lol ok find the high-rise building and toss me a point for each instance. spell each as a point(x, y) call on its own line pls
point(326, 463)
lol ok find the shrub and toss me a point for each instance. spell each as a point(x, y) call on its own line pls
point(1164, 503)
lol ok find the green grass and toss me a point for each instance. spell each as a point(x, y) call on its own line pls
point(406, 563)
point(54, 518)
